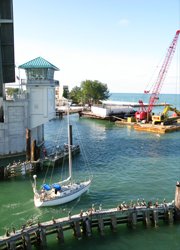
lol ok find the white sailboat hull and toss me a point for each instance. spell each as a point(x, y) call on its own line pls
point(67, 194)
point(60, 193)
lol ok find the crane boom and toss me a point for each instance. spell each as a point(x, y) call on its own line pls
point(162, 73)
point(143, 114)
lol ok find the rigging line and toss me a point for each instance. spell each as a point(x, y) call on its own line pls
point(47, 169)
point(57, 138)
point(63, 167)
point(52, 171)
point(77, 201)
point(59, 135)
point(81, 143)
point(151, 81)
point(82, 148)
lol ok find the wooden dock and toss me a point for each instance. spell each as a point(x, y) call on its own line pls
point(28, 167)
point(18, 168)
point(83, 224)
point(56, 158)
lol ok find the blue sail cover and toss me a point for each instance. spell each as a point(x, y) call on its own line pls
point(46, 187)
point(57, 187)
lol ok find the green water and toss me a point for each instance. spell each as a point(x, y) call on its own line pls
point(126, 165)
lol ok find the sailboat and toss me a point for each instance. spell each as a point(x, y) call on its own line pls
point(63, 191)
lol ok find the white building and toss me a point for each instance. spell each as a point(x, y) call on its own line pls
point(29, 113)
point(109, 108)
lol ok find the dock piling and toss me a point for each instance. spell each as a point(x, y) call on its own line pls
point(113, 223)
point(146, 218)
point(27, 241)
point(28, 144)
point(155, 218)
point(42, 234)
point(77, 230)
point(87, 227)
point(101, 226)
point(132, 219)
point(60, 234)
point(170, 216)
point(11, 245)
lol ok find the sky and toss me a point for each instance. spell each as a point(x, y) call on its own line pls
point(121, 43)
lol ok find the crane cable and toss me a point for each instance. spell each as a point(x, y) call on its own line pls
point(177, 86)
point(177, 77)
point(152, 81)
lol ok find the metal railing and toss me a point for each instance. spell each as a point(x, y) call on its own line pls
point(39, 81)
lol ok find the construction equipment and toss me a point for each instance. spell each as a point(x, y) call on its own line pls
point(164, 118)
point(144, 113)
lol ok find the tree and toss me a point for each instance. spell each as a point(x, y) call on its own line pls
point(12, 91)
point(94, 91)
point(76, 95)
point(66, 93)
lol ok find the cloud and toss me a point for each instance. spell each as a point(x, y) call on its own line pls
point(123, 22)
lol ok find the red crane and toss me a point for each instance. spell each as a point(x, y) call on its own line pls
point(143, 113)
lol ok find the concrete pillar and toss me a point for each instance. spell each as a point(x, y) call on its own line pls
point(101, 226)
point(177, 201)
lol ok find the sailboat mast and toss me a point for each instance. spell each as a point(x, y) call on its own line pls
point(69, 145)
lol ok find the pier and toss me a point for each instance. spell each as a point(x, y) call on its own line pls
point(28, 167)
point(84, 223)
point(18, 169)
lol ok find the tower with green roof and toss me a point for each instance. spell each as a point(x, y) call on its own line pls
point(24, 116)
point(40, 86)
point(39, 69)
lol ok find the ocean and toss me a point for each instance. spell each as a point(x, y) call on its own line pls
point(126, 165)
